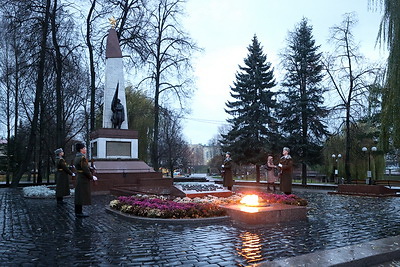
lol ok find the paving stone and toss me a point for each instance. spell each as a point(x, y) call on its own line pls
point(37, 232)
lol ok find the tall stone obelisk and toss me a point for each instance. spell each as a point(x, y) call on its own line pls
point(114, 147)
point(114, 140)
point(114, 77)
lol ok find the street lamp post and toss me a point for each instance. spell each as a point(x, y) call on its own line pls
point(335, 166)
point(369, 173)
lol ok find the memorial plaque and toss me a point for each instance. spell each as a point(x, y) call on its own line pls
point(115, 149)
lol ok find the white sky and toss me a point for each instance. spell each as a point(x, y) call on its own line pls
point(224, 29)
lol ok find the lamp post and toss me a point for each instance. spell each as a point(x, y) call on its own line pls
point(369, 151)
point(335, 166)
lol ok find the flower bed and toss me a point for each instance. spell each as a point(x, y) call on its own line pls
point(182, 208)
point(162, 208)
point(283, 199)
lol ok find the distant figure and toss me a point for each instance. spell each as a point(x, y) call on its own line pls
point(271, 175)
point(62, 176)
point(117, 108)
point(82, 188)
point(286, 171)
point(227, 171)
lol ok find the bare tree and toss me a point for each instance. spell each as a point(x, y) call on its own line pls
point(41, 71)
point(97, 11)
point(5, 98)
point(15, 74)
point(44, 24)
point(66, 58)
point(132, 29)
point(174, 150)
point(169, 50)
point(349, 77)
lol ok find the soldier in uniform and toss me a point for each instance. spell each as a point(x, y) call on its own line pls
point(286, 174)
point(227, 171)
point(82, 189)
point(62, 176)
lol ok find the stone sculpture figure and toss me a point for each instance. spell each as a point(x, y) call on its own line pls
point(117, 108)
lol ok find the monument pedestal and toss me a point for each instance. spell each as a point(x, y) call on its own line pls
point(115, 155)
point(109, 143)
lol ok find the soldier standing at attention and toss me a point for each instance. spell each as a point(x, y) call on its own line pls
point(227, 168)
point(82, 189)
point(62, 178)
point(286, 175)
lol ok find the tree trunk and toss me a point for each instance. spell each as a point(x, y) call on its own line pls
point(16, 102)
point(156, 110)
point(58, 67)
point(258, 175)
point(304, 125)
point(39, 152)
point(303, 173)
point(8, 114)
point(304, 147)
point(154, 154)
point(92, 69)
point(348, 143)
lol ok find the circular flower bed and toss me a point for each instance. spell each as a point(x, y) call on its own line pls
point(153, 206)
point(161, 208)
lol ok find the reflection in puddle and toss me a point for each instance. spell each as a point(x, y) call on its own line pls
point(251, 247)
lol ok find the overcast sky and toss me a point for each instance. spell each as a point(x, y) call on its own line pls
point(224, 29)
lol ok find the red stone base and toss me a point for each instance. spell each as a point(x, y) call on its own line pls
point(365, 190)
point(127, 173)
point(128, 190)
point(172, 191)
point(275, 213)
point(221, 193)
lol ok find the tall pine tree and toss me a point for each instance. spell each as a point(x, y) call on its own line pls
point(253, 126)
point(302, 111)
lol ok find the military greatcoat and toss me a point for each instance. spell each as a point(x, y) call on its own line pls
point(286, 174)
point(62, 178)
point(228, 176)
point(83, 186)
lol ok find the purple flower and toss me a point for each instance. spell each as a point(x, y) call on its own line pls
point(169, 209)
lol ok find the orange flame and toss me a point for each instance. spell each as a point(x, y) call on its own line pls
point(250, 200)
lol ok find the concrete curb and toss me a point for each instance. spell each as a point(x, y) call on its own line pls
point(168, 221)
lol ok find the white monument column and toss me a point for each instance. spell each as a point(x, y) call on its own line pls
point(109, 142)
point(114, 75)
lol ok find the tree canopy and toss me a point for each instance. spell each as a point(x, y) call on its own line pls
point(302, 110)
point(389, 33)
point(253, 124)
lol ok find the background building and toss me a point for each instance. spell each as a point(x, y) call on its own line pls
point(202, 154)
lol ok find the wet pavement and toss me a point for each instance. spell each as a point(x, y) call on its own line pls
point(37, 232)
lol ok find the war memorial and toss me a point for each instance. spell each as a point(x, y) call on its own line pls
point(340, 226)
